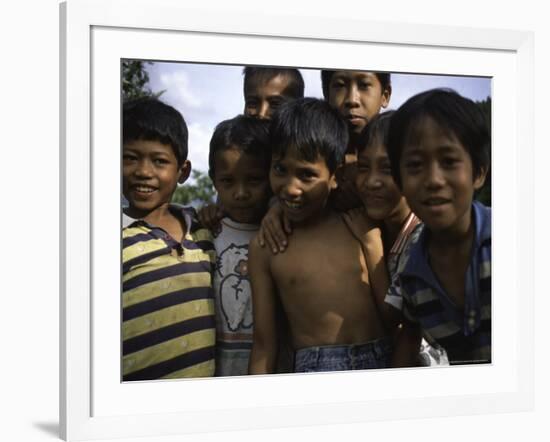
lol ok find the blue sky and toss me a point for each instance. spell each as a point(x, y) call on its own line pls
point(207, 94)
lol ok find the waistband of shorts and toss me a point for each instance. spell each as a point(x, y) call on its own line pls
point(378, 345)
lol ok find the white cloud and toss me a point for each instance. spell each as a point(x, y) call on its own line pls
point(178, 90)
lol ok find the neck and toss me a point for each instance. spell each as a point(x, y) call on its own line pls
point(393, 225)
point(154, 216)
point(457, 237)
point(313, 220)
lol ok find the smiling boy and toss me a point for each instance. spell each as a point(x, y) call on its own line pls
point(439, 149)
point(168, 328)
point(322, 280)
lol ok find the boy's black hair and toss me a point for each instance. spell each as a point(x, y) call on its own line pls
point(383, 77)
point(263, 74)
point(249, 135)
point(451, 111)
point(313, 128)
point(377, 128)
point(150, 119)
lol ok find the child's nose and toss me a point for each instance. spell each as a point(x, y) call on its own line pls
point(434, 176)
point(352, 96)
point(292, 188)
point(374, 181)
point(264, 112)
point(241, 193)
point(144, 169)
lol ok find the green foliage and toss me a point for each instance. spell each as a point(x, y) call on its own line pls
point(197, 194)
point(484, 194)
point(135, 80)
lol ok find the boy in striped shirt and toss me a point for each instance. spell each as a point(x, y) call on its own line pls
point(439, 150)
point(168, 322)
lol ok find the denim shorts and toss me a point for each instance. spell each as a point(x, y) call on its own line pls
point(374, 354)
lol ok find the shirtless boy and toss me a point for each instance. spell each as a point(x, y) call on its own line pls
point(322, 280)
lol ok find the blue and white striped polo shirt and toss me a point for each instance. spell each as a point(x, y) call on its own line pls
point(168, 315)
point(415, 289)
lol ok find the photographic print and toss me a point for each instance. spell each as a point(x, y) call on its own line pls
point(140, 340)
point(287, 220)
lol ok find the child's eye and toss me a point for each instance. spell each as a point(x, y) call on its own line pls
point(274, 103)
point(128, 157)
point(251, 104)
point(278, 169)
point(225, 180)
point(160, 161)
point(364, 85)
point(362, 168)
point(413, 166)
point(307, 175)
point(337, 84)
point(449, 162)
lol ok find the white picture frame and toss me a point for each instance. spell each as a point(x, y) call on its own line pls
point(95, 34)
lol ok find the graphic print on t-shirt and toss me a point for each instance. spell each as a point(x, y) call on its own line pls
point(236, 305)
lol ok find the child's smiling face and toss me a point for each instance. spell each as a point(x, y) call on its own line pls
point(375, 185)
point(437, 177)
point(302, 186)
point(358, 96)
point(262, 98)
point(150, 174)
point(242, 183)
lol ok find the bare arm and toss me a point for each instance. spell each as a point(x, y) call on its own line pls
point(275, 229)
point(210, 216)
point(370, 238)
point(265, 343)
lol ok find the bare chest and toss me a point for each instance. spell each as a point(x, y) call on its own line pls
point(316, 260)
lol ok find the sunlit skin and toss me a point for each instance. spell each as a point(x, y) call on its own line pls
point(439, 183)
point(380, 195)
point(242, 183)
point(358, 96)
point(150, 174)
point(262, 99)
point(321, 280)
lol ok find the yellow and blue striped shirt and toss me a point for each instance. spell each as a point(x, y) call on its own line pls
point(168, 314)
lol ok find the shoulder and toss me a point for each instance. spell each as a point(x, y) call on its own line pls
point(257, 253)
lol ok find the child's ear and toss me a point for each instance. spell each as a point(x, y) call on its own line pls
point(333, 182)
point(386, 95)
point(185, 170)
point(479, 180)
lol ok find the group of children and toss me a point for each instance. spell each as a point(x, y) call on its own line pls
point(342, 238)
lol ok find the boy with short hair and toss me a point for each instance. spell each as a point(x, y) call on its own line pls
point(266, 88)
point(439, 149)
point(322, 280)
point(168, 328)
point(239, 162)
point(358, 96)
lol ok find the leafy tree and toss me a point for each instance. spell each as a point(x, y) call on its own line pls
point(484, 194)
point(135, 80)
point(197, 194)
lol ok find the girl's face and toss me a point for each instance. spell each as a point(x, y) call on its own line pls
point(375, 185)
